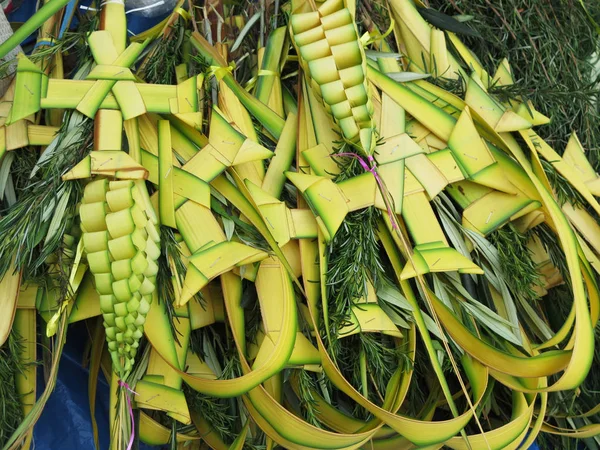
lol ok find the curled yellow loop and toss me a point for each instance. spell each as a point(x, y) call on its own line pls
point(183, 13)
point(367, 38)
point(52, 325)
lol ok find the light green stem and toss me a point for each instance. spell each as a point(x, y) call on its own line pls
point(34, 22)
point(363, 373)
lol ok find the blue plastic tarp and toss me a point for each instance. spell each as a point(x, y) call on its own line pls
point(135, 22)
point(65, 423)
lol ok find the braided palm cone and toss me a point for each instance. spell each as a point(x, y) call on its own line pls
point(121, 239)
point(333, 61)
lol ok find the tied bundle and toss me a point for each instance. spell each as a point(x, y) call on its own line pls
point(295, 230)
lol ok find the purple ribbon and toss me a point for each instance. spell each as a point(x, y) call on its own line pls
point(126, 386)
point(373, 169)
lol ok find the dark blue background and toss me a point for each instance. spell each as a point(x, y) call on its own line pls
point(65, 423)
point(135, 22)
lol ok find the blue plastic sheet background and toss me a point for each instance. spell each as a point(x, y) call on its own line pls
point(135, 22)
point(65, 423)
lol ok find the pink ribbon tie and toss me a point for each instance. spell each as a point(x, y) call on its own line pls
point(126, 386)
point(373, 169)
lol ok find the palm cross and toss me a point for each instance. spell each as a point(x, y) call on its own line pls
point(112, 95)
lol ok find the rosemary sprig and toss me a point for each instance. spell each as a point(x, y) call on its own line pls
point(306, 386)
point(216, 411)
point(383, 359)
point(166, 55)
point(10, 402)
point(563, 190)
point(353, 257)
point(169, 251)
point(220, 413)
point(354, 262)
point(20, 169)
point(515, 260)
point(550, 46)
point(33, 228)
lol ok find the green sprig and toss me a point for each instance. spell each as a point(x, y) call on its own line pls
point(550, 46)
point(10, 401)
point(166, 55)
point(25, 225)
point(516, 261)
point(306, 386)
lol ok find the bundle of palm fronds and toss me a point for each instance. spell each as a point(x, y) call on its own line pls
point(306, 225)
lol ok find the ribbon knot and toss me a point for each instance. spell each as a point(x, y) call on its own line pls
point(126, 386)
point(219, 71)
point(373, 163)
